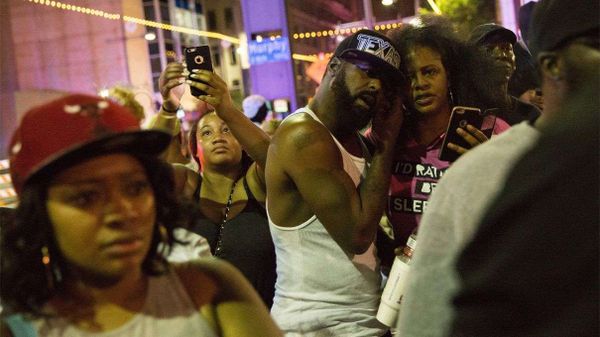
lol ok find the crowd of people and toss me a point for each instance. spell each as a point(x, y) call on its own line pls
point(290, 228)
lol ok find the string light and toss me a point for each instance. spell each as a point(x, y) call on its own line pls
point(78, 9)
point(147, 23)
point(341, 32)
point(310, 58)
point(307, 58)
point(190, 31)
point(387, 26)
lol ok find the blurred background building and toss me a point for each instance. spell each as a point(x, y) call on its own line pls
point(275, 48)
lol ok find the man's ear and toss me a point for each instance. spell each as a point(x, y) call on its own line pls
point(550, 66)
point(334, 65)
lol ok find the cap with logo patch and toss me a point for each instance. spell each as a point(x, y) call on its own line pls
point(74, 128)
point(372, 47)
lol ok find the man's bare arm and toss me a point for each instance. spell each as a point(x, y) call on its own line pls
point(312, 160)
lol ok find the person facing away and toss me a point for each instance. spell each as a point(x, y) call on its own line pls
point(229, 186)
point(258, 110)
point(325, 202)
point(255, 107)
point(82, 258)
point(531, 268)
point(443, 72)
point(499, 43)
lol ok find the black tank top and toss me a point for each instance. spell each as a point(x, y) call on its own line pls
point(245, 242)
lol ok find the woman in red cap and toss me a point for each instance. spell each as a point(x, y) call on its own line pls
point(229, 186)
point(97, 210)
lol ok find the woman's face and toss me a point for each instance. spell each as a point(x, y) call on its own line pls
point(428, 81)
point(216, 144)
point(103, 214)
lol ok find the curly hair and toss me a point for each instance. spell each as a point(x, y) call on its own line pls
point(25, 285)
point(473, 77)
point(126, 97)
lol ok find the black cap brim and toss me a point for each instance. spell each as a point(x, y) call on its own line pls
point(481, 34)
point(352, 53)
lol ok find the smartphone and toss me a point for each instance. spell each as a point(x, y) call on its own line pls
point(460, 117)
point(198, 58)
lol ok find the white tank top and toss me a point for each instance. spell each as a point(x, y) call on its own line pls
point(168, 311)
point(322, 290)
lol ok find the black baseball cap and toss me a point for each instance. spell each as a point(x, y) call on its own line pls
point(372, 47)
point(482, 33)
point(554, 22)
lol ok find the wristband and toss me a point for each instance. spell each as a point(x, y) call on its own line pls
point(169, 111)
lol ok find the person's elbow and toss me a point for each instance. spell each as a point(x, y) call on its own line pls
point(360, 244)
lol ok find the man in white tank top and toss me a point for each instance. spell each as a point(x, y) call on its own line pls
point(324, 205)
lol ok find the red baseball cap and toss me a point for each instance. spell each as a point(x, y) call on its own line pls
point(74, 128)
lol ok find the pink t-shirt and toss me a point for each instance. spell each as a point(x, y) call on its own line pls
point(415, 172)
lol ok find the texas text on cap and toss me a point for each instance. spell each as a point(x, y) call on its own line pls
point(482, 33)
point(370, 46)
point(73, 128)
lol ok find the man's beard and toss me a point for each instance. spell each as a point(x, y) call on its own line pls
point(352, 116)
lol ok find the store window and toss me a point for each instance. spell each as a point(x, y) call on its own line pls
point(149, 11)
point(228, 17)
point(233, 53)
point(211, 20)
point(182, 4)
point(164, 14)
point(216, 57)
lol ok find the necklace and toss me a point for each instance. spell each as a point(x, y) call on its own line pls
point(219, 245)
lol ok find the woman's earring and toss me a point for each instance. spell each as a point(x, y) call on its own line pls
point(163, 247)
point(451, 96)
point(47, 267)
point(164, 236)
point(53, 274)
